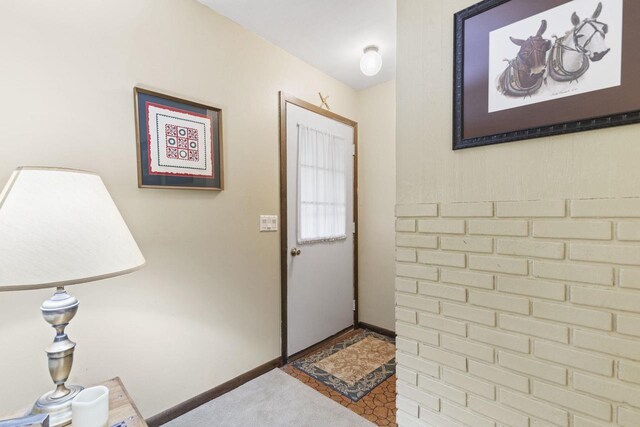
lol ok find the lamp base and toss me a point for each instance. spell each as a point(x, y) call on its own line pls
point(58, 312)
point(59, 410)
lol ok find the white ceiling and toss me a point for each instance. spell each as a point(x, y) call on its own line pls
point(328, 34)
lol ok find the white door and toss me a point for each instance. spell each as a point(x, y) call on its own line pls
point(320, 254)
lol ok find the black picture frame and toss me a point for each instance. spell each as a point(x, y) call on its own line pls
point(623, 102)
point(146, 177)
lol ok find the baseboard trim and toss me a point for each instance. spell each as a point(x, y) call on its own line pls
point(377, 329)
point(188, 405)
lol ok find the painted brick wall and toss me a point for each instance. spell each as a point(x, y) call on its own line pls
point(519, 313)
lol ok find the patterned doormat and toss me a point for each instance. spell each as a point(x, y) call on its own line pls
point(352, 367)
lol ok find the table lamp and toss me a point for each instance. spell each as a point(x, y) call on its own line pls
point(60, 227)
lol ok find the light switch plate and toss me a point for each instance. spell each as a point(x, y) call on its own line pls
point(268, 223)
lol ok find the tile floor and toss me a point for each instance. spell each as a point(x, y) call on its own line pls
point(379, 406)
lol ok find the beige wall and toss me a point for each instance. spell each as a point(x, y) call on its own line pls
point(509, 313)
point(207, 306)
point(376, 197)
point(582, 165)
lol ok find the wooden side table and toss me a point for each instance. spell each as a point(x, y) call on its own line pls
point(121, 407)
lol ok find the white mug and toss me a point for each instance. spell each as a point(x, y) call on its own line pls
point(90, 408)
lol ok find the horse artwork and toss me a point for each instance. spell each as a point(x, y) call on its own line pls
point(532, 68)
point(571, 54)
point(546, 69)
point(525, 73)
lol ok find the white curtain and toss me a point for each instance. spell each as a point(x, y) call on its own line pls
point(322, 186)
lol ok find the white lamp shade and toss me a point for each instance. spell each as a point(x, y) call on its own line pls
point(371, 61)
point(60, 227)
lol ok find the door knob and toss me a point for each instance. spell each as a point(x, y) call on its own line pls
point(295, 252)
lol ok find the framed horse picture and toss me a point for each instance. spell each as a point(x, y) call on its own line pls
point(526, 69)
point(179, 143)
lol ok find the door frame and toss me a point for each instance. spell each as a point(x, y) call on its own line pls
point(284, 253)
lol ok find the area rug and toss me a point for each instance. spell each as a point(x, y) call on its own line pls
point(352, 367)
point(273, 400)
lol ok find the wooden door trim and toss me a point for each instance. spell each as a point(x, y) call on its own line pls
point(284, 99)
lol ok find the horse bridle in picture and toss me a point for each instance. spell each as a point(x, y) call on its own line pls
point(556, 64)
point(519, 78)
point(512, 85)
point(603, 30)
point(538, 46)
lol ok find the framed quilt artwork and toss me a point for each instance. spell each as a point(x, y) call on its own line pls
point(179, 142)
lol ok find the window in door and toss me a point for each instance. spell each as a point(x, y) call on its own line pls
point(322, 191)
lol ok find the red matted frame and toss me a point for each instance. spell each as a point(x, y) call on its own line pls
point(177, 110)
point(208, 144)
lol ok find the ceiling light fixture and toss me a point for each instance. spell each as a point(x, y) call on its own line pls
point(371, 61)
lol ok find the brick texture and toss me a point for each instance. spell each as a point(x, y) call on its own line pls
point(519, 313)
